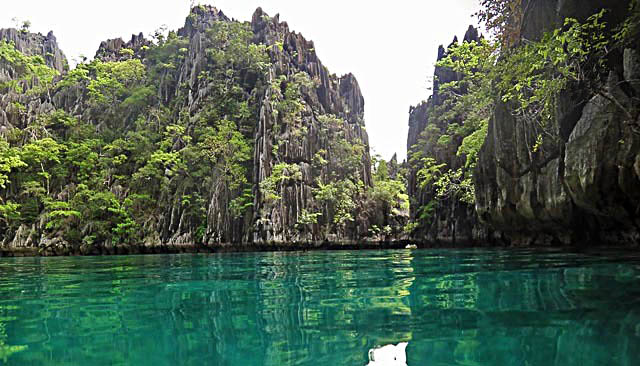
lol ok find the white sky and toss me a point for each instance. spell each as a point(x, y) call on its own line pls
point(389, 46)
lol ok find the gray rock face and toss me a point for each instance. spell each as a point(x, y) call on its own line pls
point(32, 44)
point(112, 50)
point(582, 189)
point(545, 15)
point(339, 96)
point(183, 89)
point(631, 65)
point(201, 18)
point(452, 221)
point(332, 95)
point(270, 222)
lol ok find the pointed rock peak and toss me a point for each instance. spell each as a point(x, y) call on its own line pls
point(394, 158)
point(136, 39)
point(201, 18)
point(259, 20)
point(209, 11)
point(119, 50)
point(262, 16)
point(453, 43)
point(32, 44)
point(441, 52)
point(262, 23)
point(471, 34)
point(259, 14)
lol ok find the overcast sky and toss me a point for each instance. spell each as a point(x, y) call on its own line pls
point(390, 46)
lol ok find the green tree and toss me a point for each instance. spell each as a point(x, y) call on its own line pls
point(113, 81)
point(30, 69)
point(228, 150)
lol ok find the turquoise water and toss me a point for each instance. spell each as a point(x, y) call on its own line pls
point(464, 307)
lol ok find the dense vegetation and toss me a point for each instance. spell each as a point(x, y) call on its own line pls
point(207, 135)
point(123, 146)
point(527, 75)
point(106, 176)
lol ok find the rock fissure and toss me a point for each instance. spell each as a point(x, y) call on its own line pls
point(581, 188)
point(297, 128)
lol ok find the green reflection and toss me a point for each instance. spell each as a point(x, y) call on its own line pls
point(5, 349)
point(323, 308)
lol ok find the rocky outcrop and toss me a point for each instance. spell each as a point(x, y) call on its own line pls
point(584, 188)
point(579, 189)
point(444, 220)
point(330, 95)
point(275, 140)
point(182, 94)
point(36, 44)
point(201, 18)
point(119, 50)
point(418, 117)
point(340, 96)
point(17, 109)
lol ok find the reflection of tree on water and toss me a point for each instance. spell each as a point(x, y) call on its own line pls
point(505, 308)
point(455, 307)
point(5, 349)
point(320, 306)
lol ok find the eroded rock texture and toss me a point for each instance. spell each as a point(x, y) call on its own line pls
point(119, 50)
point(581, 189)
point(185, 94)
point(440, 220)
point(35, 44)
point(332, 95)
point(585, 188)
point(30, 44)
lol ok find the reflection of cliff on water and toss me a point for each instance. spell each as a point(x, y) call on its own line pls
point(455, 307)
point(6, 350)
point(525, 307)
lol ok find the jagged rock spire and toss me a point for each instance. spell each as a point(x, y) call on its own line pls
point(32, 44)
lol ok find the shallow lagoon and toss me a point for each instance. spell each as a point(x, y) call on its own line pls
point(453, 307)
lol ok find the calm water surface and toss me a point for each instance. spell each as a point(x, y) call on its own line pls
point(464, 307)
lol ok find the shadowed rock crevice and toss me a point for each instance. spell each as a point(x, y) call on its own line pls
point(579, 189)
point(586, 190)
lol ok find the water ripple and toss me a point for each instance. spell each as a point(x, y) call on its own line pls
point(454, 307)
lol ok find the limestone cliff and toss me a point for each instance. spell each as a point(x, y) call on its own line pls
point(439, 219)
point(36, 44)
point(305, 126)
point(329, 95)
point(579, 189)
point(583, 189)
